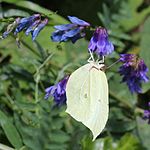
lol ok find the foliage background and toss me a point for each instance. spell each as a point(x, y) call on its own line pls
point(27, 121)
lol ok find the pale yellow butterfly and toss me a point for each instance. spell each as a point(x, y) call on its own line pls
point(87, 97)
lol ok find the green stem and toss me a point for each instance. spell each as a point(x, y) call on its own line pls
point(36, 92)
point(10, 20)
point(45, 62)
point(37, 77)
point(42, 65)
point(62, 71)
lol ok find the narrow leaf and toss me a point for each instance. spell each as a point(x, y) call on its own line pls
point(10, 131)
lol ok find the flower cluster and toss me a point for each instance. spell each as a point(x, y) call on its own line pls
point(58, 91)
point(99, 43)
point(32, 24)
point(146, 115)
point(133, 71)
point(72, 31)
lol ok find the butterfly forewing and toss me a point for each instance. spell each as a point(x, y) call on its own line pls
point(76, 86)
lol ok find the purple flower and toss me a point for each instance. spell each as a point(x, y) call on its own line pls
point(32, 26)
point(73, 31)
point(58, 91)
point(26, 23)
point(133, 71)
point(146, 115)
point(37, 30)
point(99, 43)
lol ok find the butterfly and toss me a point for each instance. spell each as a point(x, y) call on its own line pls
point(87, 96)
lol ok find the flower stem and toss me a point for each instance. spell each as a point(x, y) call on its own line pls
point(37, 77)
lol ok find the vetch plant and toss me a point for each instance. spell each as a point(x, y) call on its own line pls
point(85, 91)
point(33, 24)
point(100, 43)
point(89, 82)
point(72, 31)
point(58, 91)
point(134, 72)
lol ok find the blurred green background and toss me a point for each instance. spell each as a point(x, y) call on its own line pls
point(27, 121)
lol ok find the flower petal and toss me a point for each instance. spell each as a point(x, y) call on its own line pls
point(64, 27)
point(26, 22)
point(109, 47)
point(99, 42)
point(39, 28)
point(32, 26)
point(78, 21)
point(76, 37)
point(58, 91)
point(72, 33)
point(57, 36)
point(92, 46)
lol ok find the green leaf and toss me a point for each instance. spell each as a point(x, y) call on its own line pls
point(118, 126)
point(15, 12)
point(104, 144)
point(10, 131)
point(32, 136)
point(11, 1)
point(143, 130)
point(37, 8)
point(87, 143)
point(120, 121)
point(56, 146)
point(128, 16)
point(120, 92)
point(129, 142)
point(59, 137)
point(108, 143)
point(144, 49)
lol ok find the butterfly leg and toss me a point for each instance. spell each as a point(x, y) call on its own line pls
point(91, 59)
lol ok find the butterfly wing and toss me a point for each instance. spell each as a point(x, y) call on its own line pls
point(87, 98)
point(98, 102)
point(77, 90)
